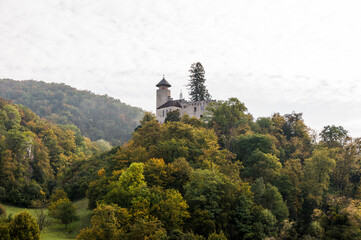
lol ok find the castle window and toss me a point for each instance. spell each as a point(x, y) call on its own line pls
point(195, 109)
point(163, 113)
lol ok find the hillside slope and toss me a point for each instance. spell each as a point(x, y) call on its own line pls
point(35, 154)
point(97, 116)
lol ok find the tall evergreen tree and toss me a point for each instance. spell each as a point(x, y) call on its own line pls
point(197, 89)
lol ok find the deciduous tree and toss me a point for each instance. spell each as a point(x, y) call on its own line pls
point(63, 210)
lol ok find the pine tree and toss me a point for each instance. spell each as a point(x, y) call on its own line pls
point(197, 89)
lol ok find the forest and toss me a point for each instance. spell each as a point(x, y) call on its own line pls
point(226, 176)
point(97, 116)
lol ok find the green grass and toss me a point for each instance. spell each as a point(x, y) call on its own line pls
point(56, 230)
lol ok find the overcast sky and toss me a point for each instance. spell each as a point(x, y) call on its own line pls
point(275, 56)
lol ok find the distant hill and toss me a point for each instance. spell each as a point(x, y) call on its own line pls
point(97, 116)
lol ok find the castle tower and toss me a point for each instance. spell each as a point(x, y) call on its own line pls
point(163, 93)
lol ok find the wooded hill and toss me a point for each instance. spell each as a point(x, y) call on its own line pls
point(231, 177)
point(97, 116)
point(227, 176)
point(35, 154)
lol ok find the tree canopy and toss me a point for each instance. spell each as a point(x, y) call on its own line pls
point(96, 116)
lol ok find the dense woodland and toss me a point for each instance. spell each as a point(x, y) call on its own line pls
point(36, 154)
point(97, 117)
point(226, 176)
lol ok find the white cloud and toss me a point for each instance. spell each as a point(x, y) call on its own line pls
point(276, 56)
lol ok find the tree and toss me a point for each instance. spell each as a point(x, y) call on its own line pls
point(63, 210)
point(244, 145)
point(227, 118)
point(147, 117)
point(334, 136)
point(171, 209)
point(269, 197)
point(317, 172)
point(130, 184)
point(197, 89)
point(264, 223)
point(4, 232)
point(172, 116)
point(263, 165)
point(211, 197)
point(103, 145)
point(151, 229)
point(24, 226)
point(57, 195)
point(215, 236)
point(108, 223)
point(272, 200)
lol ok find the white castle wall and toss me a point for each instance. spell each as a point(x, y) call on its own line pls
point(193, 109)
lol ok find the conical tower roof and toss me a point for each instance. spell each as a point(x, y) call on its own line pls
point(163, 82)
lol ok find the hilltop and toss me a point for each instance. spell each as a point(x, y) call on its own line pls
point(97, 116)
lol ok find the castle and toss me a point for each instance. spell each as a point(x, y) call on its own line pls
point(165, 103)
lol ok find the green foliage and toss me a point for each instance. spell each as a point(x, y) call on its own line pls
point(243, 217)
point(193, 121)
point(97, 117)
point(272, 199)
point(24, 226)
point(244, 145)
point(107, 222)
point(55, 230)
point(4, 232)
point(197, 89)
point(130, 184)
point(216, 236)
point(263, 165)
point(147, 117)
point(34, 154)
point(227, 118)
point(179, 235)
point(317, 174)
point(341, 220)
point(258, 189)
point(171, 209)
point(334, 136)
point(147, 229)
point(205, 191)
point(264, 224)
point(103, 145)
point(189, 179)
point(289, 185)
point(57, 195)
point(172, 116)
point(269, 197)
point(212, 198)
point(175, 140)
point(112, 222)
point(63, 210)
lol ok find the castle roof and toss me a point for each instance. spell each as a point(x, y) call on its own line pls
point(172, 103)
point(163, 82)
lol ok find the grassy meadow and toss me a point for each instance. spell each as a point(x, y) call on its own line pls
point(56, 230)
